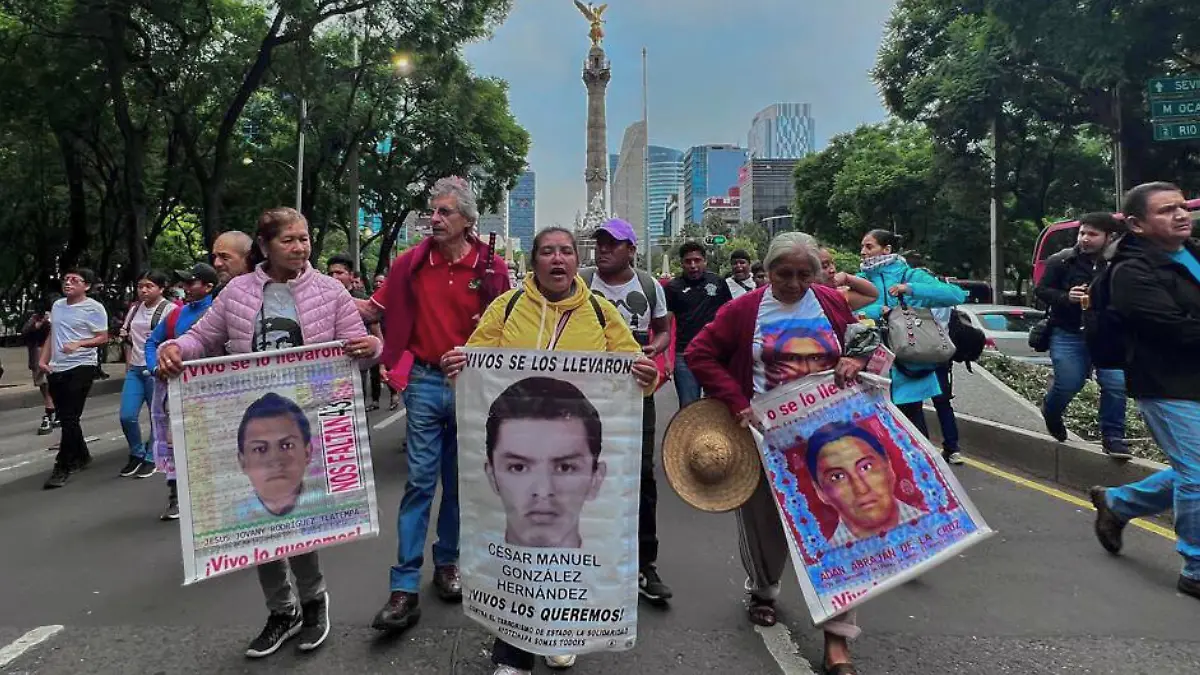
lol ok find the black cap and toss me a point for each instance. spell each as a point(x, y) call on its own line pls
point(202, 271)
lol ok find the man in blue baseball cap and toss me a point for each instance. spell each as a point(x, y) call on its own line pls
point(643, 304)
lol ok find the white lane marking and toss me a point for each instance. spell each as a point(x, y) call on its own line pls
point(26, 642)
point(16, 466)
point(395, 417)
point(783, 649)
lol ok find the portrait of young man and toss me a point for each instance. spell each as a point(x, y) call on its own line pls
point(274, 451)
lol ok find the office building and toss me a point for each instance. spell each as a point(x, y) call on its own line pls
point(665, 179)
point(522, 210)
point(628, 184)
point(672, 222)
point(728, 209)
point(783, 131)
point(708, 171)
point(767, 188)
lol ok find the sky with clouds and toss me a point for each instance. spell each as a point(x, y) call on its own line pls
point(712, 65)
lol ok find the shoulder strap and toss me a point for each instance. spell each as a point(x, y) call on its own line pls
point(599, 310)
point(512, 302)
point(158, 313)
point(649, 289)
point(173, 323)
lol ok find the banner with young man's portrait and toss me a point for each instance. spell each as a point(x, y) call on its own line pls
point(549, 448)
point(272, 455)
point(866, 501)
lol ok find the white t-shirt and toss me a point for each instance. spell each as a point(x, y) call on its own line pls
point(792, 341)
point(72, 323)
point(631, 302)
point(738, 290)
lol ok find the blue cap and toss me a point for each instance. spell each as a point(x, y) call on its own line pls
point(619, 229)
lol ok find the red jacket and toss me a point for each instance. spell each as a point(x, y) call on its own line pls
point(399, 304)
point(721, 357)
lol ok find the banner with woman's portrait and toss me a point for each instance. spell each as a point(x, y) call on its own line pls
point(549, 448)
point(866, 501)
point(272, 455)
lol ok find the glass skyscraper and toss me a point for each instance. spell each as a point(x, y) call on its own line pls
point(783, 131)
point(522, 210)
point(666, 179)
point(708, 171)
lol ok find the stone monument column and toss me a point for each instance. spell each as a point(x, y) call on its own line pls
point(596, 75)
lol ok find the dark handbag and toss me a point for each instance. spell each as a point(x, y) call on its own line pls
point(1039, 336)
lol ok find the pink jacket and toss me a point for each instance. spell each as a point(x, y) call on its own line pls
point(324, 307)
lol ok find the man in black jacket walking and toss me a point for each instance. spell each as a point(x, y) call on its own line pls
point(1156, 294)
point(694, 298)
point(1064, 289)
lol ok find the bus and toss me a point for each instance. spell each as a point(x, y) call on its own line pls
point(1062, 235)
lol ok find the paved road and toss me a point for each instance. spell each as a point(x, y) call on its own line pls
point(1041, 597)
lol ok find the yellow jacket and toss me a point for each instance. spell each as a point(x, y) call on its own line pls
point(570, 324)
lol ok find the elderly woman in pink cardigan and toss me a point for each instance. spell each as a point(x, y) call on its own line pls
point(283, 303)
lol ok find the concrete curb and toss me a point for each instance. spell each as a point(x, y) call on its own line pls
point(1072, 464)
point(32, 398)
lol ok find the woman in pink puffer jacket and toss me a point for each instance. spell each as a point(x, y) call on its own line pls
point(283, 303)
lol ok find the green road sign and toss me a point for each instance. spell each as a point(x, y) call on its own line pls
point(716, 240)
point(1176, 131)
point(1183, 107)
point(1174, 86)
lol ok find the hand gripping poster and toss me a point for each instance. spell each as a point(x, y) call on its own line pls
point(866, 501)
point(549, 447)
point(272, 455)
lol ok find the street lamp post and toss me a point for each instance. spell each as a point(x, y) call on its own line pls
point(247, 161)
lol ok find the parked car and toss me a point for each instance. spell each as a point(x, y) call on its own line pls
point(1006, 329)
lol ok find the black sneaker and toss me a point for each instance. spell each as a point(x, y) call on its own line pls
point(171, 512)
point(1116, 448)
point(145, 470)
point(279, 629)
point(46, 427)
point(58, 478)
point(651, 586)
point(1055, 426)
point(1189, 586)
point(83, 464)
point(315, 628)
point(55, 422)
point(1108, 526)
point(131, 467)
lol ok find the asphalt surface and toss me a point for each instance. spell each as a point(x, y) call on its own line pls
point(1040, 597)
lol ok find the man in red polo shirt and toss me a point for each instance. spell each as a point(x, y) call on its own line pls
point(434, 296)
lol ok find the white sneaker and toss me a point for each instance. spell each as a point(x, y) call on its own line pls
point(560, 662)
point(509, 670)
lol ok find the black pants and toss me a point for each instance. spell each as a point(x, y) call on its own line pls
point(915, 412)
point(945, 409)
point(377, 385)
point(69, 389)
point(504, 654)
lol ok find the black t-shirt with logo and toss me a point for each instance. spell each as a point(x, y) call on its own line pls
point(695, 304)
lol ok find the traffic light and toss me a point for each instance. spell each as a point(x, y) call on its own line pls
point(716, 240)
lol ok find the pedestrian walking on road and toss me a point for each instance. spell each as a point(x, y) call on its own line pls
point(794, 327)
point(912, 384)
point(694, 298)
point(283, 303)
point(1064, 289)
point(431, 303)
point(78, 329)
point(642, 304)
point(520, 319)
point(198, 284)
point(1155, 275)
point(145, 315)
point(739, 280)
point(34, 334)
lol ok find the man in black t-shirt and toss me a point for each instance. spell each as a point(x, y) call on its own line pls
point(694, 298)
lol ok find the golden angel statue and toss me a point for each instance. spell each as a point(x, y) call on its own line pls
point(594, 15)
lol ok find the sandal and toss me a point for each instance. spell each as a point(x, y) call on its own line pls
point(394, 404)
point(762, 612)
point(841, 669)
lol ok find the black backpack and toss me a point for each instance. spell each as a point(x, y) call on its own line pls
point(968, 340)
point(1103, 329)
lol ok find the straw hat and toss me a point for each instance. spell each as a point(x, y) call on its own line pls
point(711, 462)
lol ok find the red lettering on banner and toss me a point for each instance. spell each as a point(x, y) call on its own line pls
point(341, 451)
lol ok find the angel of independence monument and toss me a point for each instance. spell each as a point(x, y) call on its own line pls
point(596, 74)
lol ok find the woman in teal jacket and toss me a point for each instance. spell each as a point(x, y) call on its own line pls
point(893, 277)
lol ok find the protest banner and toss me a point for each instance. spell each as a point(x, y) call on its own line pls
point(549, 447)
point(866, 501)
point(272, 455)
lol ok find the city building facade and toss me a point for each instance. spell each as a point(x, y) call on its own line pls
point(708, 171)
point(783, 131)
point(665, 179)
point(522, 210)
point(728, 209)
point(767, 188)
point(629, 184)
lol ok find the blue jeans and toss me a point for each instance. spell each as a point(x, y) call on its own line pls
point(139, 386)
point(686, 386)
point(1175, 425)
point(432, 454)
point(1072, 366)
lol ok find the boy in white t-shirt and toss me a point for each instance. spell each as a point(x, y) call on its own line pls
point(78, 327)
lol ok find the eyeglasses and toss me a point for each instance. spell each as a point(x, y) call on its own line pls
point(73, 280)
point(445, 211)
